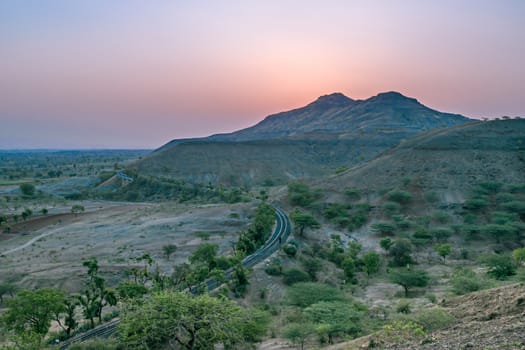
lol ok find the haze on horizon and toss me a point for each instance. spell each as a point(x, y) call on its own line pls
point(136, 74)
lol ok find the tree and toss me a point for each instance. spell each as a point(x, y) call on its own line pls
point(96, 296)
point(26, 214)
point(443, 250)
point(27, 189)
point(409, 278)
point(168, 250)
point(335, 318)
point(77, 209)
point(386, 243)
point(303, 221)
point(400, 252)
point(44, 211)
point(371, 263)
point(32, 311)
point(500, 266)
point(173, 319)
point(205, 253)
point(298, 333)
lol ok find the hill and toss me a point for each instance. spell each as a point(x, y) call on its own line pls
point(450, 159)
point(329, 133)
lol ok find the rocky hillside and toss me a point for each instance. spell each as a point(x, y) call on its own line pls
point(448, 159)
point(332, 132)
point(490, 319)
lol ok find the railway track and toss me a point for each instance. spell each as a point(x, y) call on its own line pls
point(279, 235)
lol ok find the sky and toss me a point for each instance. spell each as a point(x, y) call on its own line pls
point(136, 74)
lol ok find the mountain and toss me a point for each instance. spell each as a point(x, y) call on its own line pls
point(333, 131)
point(448, 160)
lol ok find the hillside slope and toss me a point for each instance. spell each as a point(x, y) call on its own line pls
point(314, 140)
point(446, 159)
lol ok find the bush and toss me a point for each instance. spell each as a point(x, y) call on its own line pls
point(290, 250)
point(434, 319)
point(400, 196)
point(403, 307)
point(384, 228)
point(500, 266)
point(441, 234)
point(295, 275)
point(304, 294)
point(390, 208)
point(465, 281)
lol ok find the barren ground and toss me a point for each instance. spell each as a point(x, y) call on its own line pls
point(49, 250)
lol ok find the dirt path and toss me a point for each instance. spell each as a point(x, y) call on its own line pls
point(31, 241)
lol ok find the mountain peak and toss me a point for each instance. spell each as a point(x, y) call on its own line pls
point(335, 99)
point(392, 96)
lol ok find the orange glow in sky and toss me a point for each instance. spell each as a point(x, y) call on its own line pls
point(132, 74)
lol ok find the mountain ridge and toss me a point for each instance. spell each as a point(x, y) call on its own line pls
point(331, 132)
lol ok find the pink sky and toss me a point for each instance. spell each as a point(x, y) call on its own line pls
point(136, 74)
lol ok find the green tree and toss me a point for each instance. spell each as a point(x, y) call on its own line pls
point(500, 266)
point(371, 263)
point(300, 194)
point(409, 278)
point(169, 249)
point(298, 333)
point(295, 275)
point(96, 296)
point(178, 319)
point(27, 189)
point(443, 250)
point(303, 221)
point(335, 318)
point(386, 243)
point(31, 312)
point(401, 251)
point(206, 254)
point(26, 214)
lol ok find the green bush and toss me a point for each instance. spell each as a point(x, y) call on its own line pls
point(465, 281)
point(290, 250)
point(390, 208)
point(384, 228)
point(500, 266)
point(403, 307)
point(400, 196)
point(434, 319)
point(304, 294)
point(295, 275)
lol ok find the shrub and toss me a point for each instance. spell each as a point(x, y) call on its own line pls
point(390, 208)
point(434, 319)
point(304, 294)
point(403, 307)
point(400, 196)
point(384, 228)
point(500, 266)
point(290, 250)
point(295, 275)
point(441, 233)
point(475, 204)
point(465, 281)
